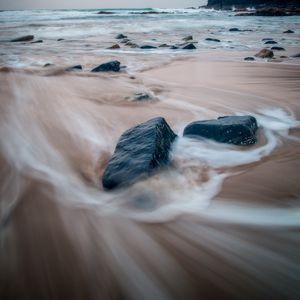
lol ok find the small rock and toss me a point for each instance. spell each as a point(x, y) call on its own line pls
point(249, 58)
point(112, 66)
point(174, 47)
point(265, 53)
point(74, 68)
point(278, 48)
point(25, 38)
point(270, 42)
point(234, 29)
point(297, 55)
point(140, 97)
point(132, 77)
point(188, 38)
point(60, 40)
point(213, 40)
point(124, 41)
point(283, 56)
point(139, 152)
point(38, 41)
point(148, 47)
point(289, 31)
point(164, 46)
point(237, 130)
point(267, 39)
point(189, 46)
point(104, 12)
point(121, 36)
point(48, 65)
point(115, 46)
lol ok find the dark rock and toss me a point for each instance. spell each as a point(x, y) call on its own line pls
point(289, 31)
point(267, 39)
point(265, 53)
point(48, 65)
point(74, 68)
point(112, 66)
point(140, 97)
point(297, 55)
point(271, 12)
point(270, 42)
point(150, 13)
point(234, 29)
point(174, 47)
point(124, 41)
point(38, 41)
point(213, 40)
point(164, 46)
point(25, 38)
point(148, 47)
point(237, 130)
point(121, 36)
point(278, 48)
point(139, 152)
point(60, 40)
point(104, 12)
point(115, 46)
point(249, 58)
point(188, 38)
point(283, 56)
point(189, 46)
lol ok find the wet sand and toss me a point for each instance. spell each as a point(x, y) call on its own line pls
point(218, 226)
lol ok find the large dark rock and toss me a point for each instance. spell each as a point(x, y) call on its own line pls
point(140, 151)
point(24, 38)
point(112, 66)
point(237, 130)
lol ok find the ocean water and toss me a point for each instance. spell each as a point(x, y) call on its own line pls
point(87, 33)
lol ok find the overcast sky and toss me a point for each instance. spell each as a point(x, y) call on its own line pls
point(32, 4)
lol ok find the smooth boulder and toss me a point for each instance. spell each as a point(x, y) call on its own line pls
point(237, 130)
point(112, 66)
point(139, 152)
point(25, 38)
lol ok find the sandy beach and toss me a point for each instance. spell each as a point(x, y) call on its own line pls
point(221, 221)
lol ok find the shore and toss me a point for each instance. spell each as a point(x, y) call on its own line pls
point(58, 132)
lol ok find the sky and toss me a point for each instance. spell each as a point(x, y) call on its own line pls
point(40, 4)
